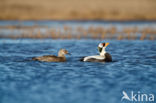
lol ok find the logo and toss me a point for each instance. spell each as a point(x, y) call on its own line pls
point(140, 97)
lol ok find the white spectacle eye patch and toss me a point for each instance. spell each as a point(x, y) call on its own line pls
point(100, 45)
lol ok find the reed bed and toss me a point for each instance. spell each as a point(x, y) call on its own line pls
point(67, 32)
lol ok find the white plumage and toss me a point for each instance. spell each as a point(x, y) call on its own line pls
point(104, 56)
point(94, 57)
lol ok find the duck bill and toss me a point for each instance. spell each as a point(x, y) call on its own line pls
point(106, 44)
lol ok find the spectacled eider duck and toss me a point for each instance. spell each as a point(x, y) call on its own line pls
point(52, 58)
point(103, 57)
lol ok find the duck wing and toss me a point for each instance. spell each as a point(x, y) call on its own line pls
point(45, 56)
point(49, 56)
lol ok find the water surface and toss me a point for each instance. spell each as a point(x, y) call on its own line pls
point(25, 81)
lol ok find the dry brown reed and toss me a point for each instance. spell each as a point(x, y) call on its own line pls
point(67, 32)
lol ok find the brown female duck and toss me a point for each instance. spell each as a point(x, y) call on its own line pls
point(52, 58)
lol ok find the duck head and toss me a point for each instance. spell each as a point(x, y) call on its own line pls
point(102, 47)
point(63, 52)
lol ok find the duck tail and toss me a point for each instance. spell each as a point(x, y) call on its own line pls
point(82, 59)
point(34, 58)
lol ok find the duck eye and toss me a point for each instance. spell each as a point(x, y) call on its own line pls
point(103, 44)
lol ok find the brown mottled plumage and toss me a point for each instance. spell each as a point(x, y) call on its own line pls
point(52, 58)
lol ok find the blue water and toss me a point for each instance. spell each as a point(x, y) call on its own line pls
point(25, 81)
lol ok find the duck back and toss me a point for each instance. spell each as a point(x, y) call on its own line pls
point(50, 58)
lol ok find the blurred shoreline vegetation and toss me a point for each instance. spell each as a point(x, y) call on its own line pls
point(121, 10)
point(102, 10)
point(79, 32)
